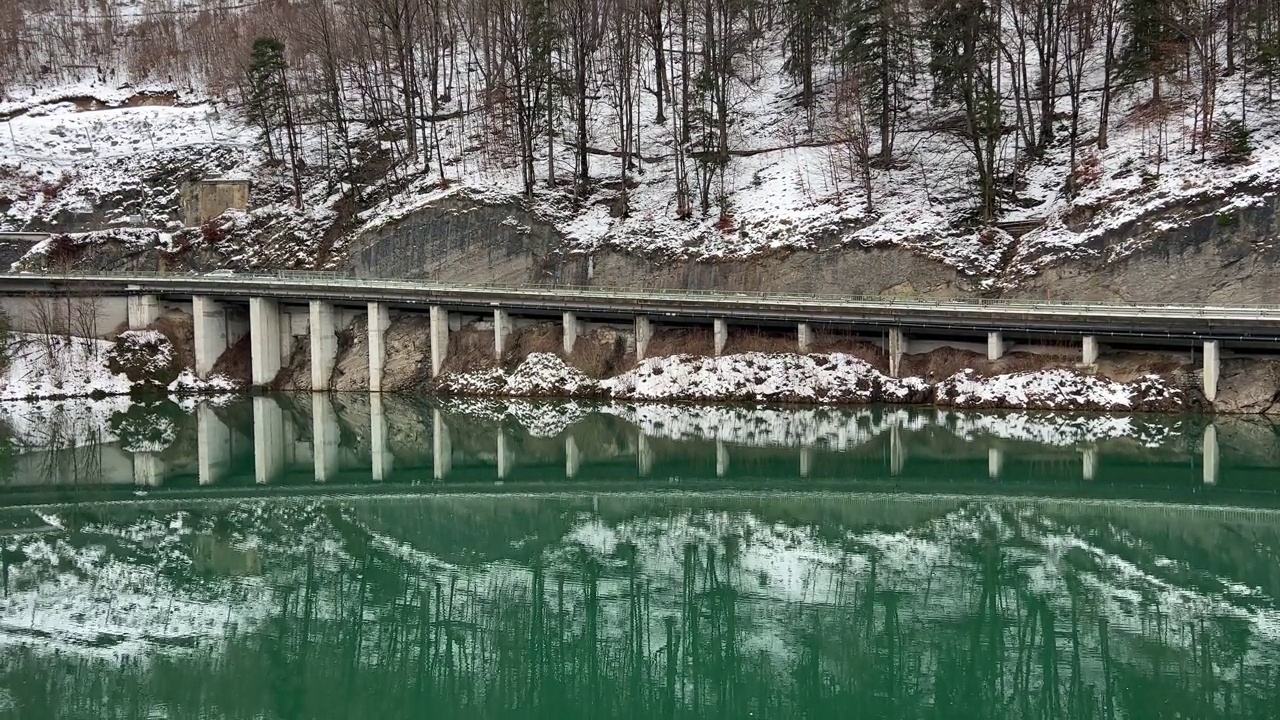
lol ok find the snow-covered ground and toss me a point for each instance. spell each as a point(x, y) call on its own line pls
point(57, 366)
point(813, 378)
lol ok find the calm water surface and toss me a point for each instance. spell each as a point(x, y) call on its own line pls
point(308, 557)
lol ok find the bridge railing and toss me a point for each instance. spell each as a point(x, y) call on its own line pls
point(356, 280)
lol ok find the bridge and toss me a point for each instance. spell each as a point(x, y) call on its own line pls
point(287, 303)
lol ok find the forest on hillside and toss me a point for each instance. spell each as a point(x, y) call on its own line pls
point(554, 90)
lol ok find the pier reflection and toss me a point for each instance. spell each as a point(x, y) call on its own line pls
point(374, 440)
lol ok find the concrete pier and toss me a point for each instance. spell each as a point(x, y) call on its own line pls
point(897, 348)
point(378, 449)
point(379, 321)
point(721, 330)
point(209, 321)
point(1089, 350)
point(804, 337)
point(441, 446)
point(148, 469)
point(501, 329)
point(1210, 453)
point(439, 339)
point(1212, 368)
point(268, 440)
point(324, 437)
point(722, 459)
point(995, 345)
point(143, 310)
point(324, 345)
point(213, 446)
point(806, 461)
point(995, 462)
point(505, 460)
point(897, 450)
point(571, 329)
point(264, 338)
point(644, 333)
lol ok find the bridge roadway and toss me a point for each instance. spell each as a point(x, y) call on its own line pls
point(1107, 319)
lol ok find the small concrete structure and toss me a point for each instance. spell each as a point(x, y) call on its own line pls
point(379, 321)
point(995, 345)
point(804, 337)
point(571, 330)
point(143, 310)
point(1089, 350)
point(1212, 368)
point(721, 335)
point(644, 333)
point(203, 200)
point(264, 338)
point(439, 339)
point(324, 345)
point(897, 348)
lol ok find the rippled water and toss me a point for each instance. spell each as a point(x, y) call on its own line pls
point(519, 559)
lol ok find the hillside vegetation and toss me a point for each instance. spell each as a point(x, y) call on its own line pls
point(995, 136)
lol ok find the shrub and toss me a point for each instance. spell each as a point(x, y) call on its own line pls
point(1235, 142)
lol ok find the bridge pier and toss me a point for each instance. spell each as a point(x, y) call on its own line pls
point(439, 339)
point(644, 333)
point(721, 330)
point(995, 462)
point(995, 345)
point(213, 446)
point(504, 456)
point(1089, 350)
point(501, 329)
point(324, 437)
point(268, 440)
point(209, 325)
point(148, 469)
point(1212, 368)
point(806, 461)
point(897, 348)
point(897, 450)
point(441, 446)
point(142, 311)
point(804, 337)
point(378, 450)
point(722, 459)
point(571, 329)
point(1210, 452)
point(379, 321)
point(324, 345)
point(264, 338)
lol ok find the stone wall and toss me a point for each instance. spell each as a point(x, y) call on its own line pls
point(206, 199)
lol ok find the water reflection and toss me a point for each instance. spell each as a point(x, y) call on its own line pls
point(645, 605)
point(374, 441)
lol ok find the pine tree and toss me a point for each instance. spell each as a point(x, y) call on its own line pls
point(876, 47)
point(1150, 32)
point(266, 92)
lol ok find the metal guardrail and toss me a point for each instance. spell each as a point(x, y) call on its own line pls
point(640, 296)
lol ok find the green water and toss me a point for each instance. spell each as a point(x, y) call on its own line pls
point(346, 558)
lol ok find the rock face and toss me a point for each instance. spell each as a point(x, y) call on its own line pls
point(1248, 386)
point(1215, 253)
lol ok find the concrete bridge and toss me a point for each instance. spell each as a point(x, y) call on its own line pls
point(285, 304)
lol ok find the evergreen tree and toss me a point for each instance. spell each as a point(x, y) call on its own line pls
point(877, 48)
point(266, 87)
point(1151, 30)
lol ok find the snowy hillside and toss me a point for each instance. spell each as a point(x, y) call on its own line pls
point(726, 161)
